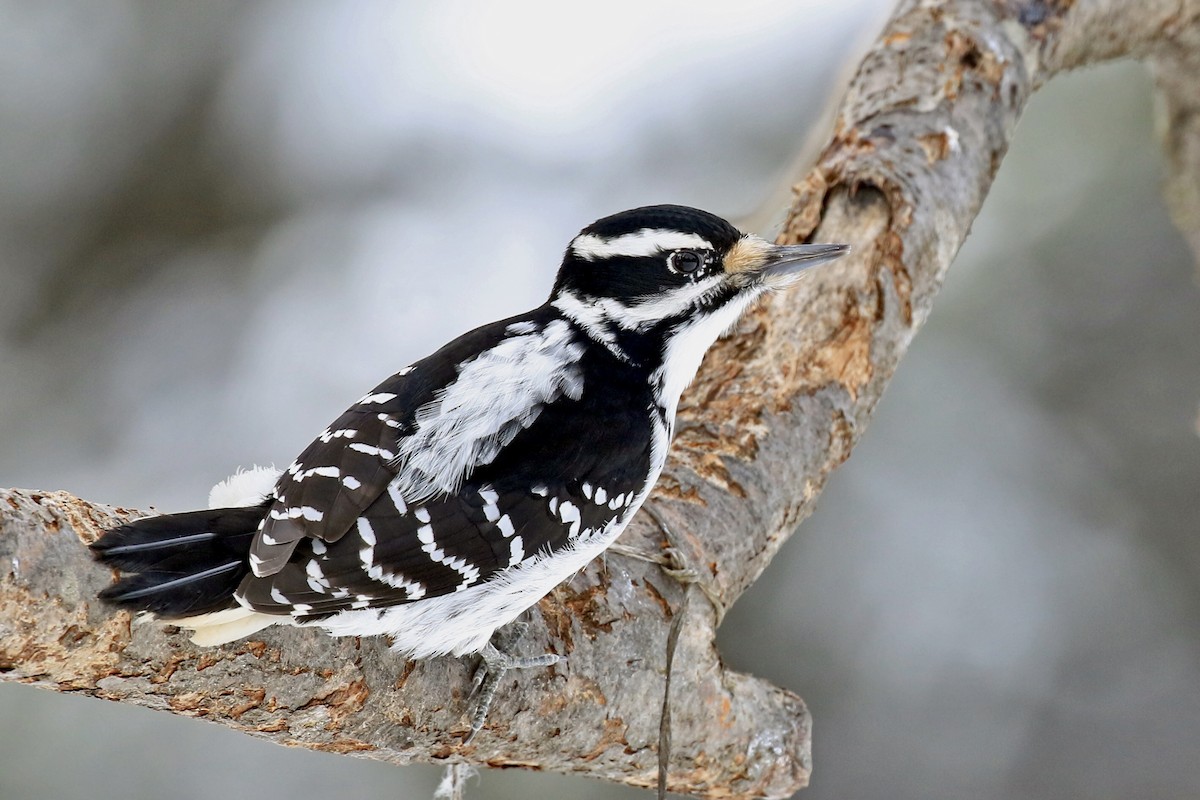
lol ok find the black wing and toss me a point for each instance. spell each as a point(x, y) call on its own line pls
point(400, 552)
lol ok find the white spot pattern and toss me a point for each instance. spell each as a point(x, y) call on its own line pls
point(491, 511)
point(397, 499)
point(323, 472)
point(469, 572)
point(370, 450)
point(376, 397)
point(296, 512)
point(413, 590)
point(328, 436)
point(568, 512)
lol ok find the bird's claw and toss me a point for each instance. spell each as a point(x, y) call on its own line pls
point(486, 680)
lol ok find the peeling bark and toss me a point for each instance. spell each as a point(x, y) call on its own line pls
point(917, 141)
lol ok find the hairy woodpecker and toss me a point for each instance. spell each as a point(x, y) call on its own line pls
point(462, 489)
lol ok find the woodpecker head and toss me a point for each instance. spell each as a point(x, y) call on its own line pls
point(672, 273)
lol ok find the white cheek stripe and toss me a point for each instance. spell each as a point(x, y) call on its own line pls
point(646, 312)
point(646, 242)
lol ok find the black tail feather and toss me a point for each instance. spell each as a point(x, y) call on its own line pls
point(180, 564)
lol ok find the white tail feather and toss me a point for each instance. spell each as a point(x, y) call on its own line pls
point(227, 625)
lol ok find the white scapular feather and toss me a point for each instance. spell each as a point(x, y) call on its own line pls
point(495, 395)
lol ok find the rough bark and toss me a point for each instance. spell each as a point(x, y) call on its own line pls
point(917, 141)
point(1176, 66)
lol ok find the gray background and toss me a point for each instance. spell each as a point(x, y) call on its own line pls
point(220, 223)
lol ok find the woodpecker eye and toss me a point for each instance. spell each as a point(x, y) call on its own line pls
point(685, 261)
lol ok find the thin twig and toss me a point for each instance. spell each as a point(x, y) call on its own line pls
point(664, 721)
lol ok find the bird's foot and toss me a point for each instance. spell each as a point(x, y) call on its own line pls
point(487, 678)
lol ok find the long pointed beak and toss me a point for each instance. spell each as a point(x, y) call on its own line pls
point(783, 261)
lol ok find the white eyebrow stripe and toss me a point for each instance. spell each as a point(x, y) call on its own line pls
point(646, 242)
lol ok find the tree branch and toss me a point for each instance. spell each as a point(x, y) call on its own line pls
point(918, 138)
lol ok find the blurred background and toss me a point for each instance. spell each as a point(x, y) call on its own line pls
point(220, 221)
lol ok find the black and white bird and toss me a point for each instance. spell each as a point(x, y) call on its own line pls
point(457, 493)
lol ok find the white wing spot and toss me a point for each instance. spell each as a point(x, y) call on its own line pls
point(323, 472)
point(386, 455)
point(505, 526)
point(491, 511)
point(601, 496)
point(569, 513)
point(366, 532)
point(516, 550)
point(377, 397)
point(412, 589)
point(328, 436)
point(297, 512)
point(398, 501)
point(469, 572)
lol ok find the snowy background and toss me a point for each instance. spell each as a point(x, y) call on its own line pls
point(220, 222)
